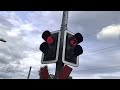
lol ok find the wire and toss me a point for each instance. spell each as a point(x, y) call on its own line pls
point(100, 53)
point(103, 49)
point(102, 68)
point(86, 36)
point(87, 52)
point(100, 50)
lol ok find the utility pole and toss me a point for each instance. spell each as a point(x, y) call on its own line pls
point(59, 63)
point(29, 72)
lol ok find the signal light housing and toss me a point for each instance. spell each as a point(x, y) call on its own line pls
point(50, 48)
point(71, 49)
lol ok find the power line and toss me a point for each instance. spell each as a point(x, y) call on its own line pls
point(91, 34)
point(103, 49)
point(99, 53)
point(87, 52)
point(86, 36)
point(102, 68)
point(100, 50)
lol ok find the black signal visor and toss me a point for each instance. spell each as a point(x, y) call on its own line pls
point(79, 37)
point(76, 39)
point(44, 47)
point(45, 35)
point(78, 50)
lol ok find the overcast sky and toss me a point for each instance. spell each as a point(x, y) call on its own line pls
point(22, 30)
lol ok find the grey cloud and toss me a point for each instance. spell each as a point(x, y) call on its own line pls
point(13, 50)
point(4, 76)
point(46, 20)
point(89, 23)
point(110, 77)
point(5, 22)
point(91, 65)
point(84, 22)
point(93, 20)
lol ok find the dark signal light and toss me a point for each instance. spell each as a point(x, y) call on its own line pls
point(45, 35)
point(78, 50)
point(44, 47)
point(79, 37)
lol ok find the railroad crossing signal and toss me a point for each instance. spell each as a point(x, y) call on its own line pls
point(50, 47)
point(71, 49)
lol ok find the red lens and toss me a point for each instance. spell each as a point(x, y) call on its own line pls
point(73, 42)
point(50, 40)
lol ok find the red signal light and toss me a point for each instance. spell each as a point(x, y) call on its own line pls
point(47, 37)
point(50, 40)
point(73, 42)
point(76, 39)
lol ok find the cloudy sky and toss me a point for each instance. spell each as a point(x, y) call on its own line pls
point(22, 30)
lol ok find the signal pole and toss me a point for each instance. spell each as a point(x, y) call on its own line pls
point(29, 72)
point(59, 63)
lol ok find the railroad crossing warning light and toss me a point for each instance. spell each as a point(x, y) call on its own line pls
point(71, 49)
point(50, 48)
